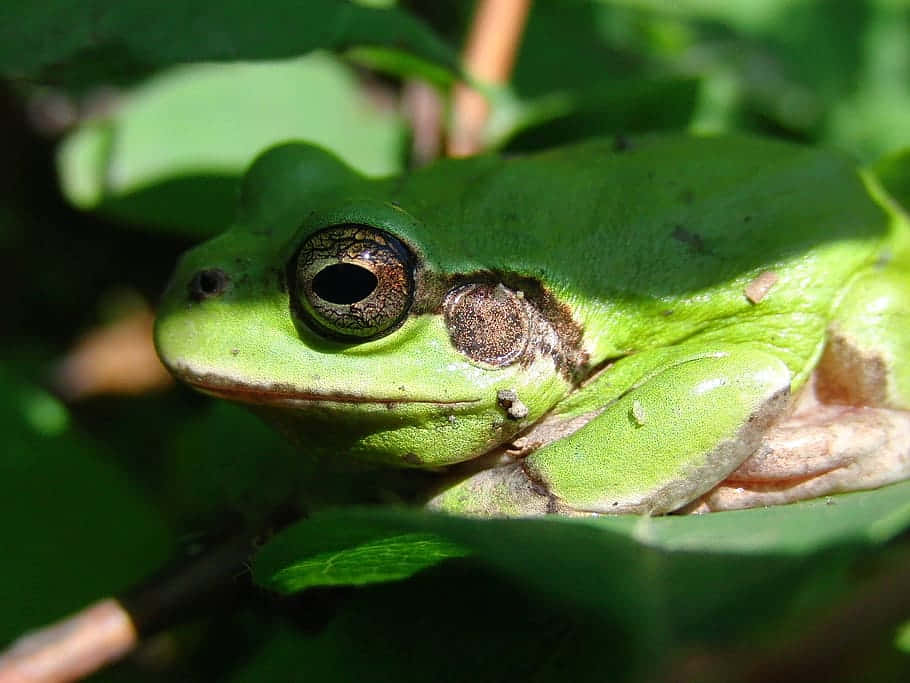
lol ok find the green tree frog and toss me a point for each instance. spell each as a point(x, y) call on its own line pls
point(666, 324)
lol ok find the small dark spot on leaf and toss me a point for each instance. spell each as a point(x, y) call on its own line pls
point(234, 352)
point(621, 143)
point(694, 240)
point(687, 196)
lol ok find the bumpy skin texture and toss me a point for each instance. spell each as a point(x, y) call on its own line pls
point(638, 373)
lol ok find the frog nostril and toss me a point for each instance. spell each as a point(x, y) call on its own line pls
point(208, 283)
point(344, 283)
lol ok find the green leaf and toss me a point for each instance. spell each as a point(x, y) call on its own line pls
point(250, 472)
point(902, 639)
point(402, 64)
point(687, 572)
point(45, 39)
point(172, 155)
point(74, 528)
point(326, 551)
point(836, 73)
point(558, 118)
point(450, 626)
point(894, 173)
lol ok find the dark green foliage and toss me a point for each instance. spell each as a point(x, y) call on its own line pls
point(107, 39)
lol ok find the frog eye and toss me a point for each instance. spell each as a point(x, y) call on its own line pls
point(352, 282)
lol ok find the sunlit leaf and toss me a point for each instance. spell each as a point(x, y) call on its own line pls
point(173, 153)
point(328, 552)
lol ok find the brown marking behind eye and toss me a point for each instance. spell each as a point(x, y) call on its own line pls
point(553, 331)
point(488, 323)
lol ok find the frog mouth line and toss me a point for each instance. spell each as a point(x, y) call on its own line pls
point(279, 395)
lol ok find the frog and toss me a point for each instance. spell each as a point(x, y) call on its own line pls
point(671, 324)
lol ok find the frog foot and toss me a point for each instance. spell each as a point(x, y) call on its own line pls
point(820, 449)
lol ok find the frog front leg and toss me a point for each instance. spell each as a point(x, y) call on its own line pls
point(690, 419)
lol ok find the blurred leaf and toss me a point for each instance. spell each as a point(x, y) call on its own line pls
point(834, 71)
point(333, 552)
point(43, 39)
point(870, 119)
point(173, 153)
point(74, 529)
point(573, 45)
point(401, 64)
point(638, 105)
point(894, 173)
point(752, 13)
point(902, 639)
point(225, 462)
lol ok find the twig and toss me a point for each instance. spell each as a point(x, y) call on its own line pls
point(424, 108)
point(73, 647)
point(110, 629)
point(489, 55)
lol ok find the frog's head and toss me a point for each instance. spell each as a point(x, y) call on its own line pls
point(333, 311)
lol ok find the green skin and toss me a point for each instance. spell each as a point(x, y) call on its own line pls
point(633, 262)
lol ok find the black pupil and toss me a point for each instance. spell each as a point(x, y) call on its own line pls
point(344, 283)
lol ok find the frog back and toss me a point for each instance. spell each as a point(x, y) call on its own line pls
point(659, 240)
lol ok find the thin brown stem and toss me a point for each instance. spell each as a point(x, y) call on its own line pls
point(111, 628)
point(424, 108)
point(489, 56)
point(71, 648)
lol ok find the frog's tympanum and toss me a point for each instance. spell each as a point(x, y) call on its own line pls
point(673, 324)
